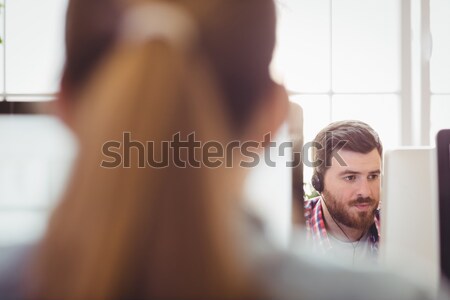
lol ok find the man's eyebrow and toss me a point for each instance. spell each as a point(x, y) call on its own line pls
point(349, 172)
point(375, 172)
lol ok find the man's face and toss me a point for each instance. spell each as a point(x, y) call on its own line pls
point(352, 191)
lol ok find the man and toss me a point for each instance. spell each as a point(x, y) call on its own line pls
point(344, 220)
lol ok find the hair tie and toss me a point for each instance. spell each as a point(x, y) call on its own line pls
point(158, 20)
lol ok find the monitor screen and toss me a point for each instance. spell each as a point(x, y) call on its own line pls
point(443, 155)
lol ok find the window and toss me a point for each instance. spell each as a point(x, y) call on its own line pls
point(341, 60)
point(368, 60)
point(439, 67)
point(35, 151)
point(32, 53)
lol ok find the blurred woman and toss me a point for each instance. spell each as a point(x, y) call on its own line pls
point(154, 69)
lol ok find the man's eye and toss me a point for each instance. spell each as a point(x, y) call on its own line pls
point(350, 178)
point(374, 176)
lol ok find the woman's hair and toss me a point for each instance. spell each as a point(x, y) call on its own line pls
point(160, 233)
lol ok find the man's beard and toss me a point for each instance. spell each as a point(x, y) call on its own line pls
point(341, 211)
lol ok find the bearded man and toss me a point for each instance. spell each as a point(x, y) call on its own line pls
point(344, 220)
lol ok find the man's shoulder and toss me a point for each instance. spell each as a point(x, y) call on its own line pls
point(378, 214)
point(310, 211)
point(309, 205)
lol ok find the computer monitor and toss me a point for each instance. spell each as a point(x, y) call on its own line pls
point(409, 240)
point(268, 192)
point(443, 156)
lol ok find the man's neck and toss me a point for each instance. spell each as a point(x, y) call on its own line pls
point(340, 232)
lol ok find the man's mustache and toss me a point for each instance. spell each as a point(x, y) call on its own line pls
point(362, 201)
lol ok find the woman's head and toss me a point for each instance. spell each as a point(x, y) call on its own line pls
point(237, 37)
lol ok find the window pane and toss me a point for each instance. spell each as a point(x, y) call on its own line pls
point(440, 112)
point(302, 56)
point(440, 60)
point(316, 114)
point(366, 45)
point(2, 64)
point(34, 45)
point(382, 112)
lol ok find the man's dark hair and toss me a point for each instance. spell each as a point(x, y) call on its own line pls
point(348, 135)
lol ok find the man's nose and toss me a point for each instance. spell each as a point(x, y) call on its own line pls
point(364, 189)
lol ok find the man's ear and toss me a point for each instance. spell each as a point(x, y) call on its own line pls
point(270, 115)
